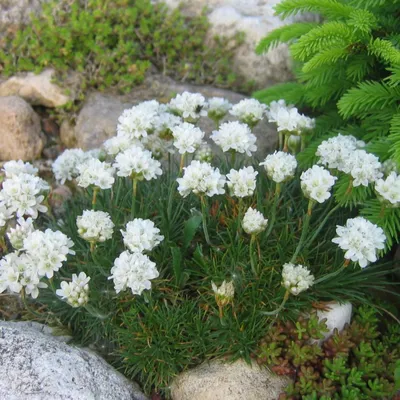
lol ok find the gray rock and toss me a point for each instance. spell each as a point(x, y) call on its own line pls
point(228, 381)
point(20, 130)
point(37, 366)
point(97, 121)
point(40, 89)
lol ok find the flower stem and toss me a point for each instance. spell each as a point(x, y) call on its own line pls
point(285, 143)
point(134, 193)
point(233, 158)
point(271, 222)
point(94, 198)
point(306, 224)
point(92, 247)
point(182, 163)
point(254, 265)
point(204, 218)
point(277, 310)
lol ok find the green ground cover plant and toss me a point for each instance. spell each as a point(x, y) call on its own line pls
point(161, 260)
point(113, 43)
point(357, 363)
point(347, 71)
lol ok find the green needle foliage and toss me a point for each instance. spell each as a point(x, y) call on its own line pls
point(113, 44)
point(347, 69)
point(179, 324)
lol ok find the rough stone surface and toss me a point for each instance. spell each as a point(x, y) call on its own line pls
point(256, 19)
point(40, 89)
point(37, 366)
point(15, 12)
point(226, 381)
point(98, 118)
point(20, 130)
point(337, 317)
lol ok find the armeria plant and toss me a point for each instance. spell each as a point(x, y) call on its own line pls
point(127, 266)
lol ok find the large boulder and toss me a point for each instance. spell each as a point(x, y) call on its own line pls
point(40, 89)
point(34, 365)
point(97, 121)
point(20, 130)
point(218, 380)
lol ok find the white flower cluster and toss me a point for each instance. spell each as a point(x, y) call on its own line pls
point(42, 254)
point(141, 235)
point(137, 163)
point(187, 137)
point(334, 152)
point(234, 136)
point(254, 222)
point(96, 173)
point(280, 166)
point(136, 122)
point(316, 183)
point(242, 183)
point(223, 294)
point(288, 118)
point(65, 166)
point(389, 189)
point(202, 179)
point(218, 107)
point(204, 153)
point(296, 278)
point(5, 214)
point(118, 144)
point(249, 111)
point(23, 194)
point(133, 271)
point(14, 168)
point(190, 106)
point(17, 235)
point(95, 226)
point(76, 292)
point(360, 239)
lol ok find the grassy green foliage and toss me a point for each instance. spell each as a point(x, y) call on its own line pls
point(113, 44)
point(357, 363)
point(347, 68)
point(178, 323)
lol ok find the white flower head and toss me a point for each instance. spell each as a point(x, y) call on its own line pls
point(360, 239)
point(141, 235)
point(18, 234)
point(137, 121)
point(364, 168)
point(288, 119)
point(280, 166)
point(296, 278)
point(65, 166)
point(204, 153)
point(254, 222)
point(334, 152)
point(13, 168)
point(273, 109)
point(75, 292)
point(47, 250)
point(389, 189)
point(202, 179)
point(5, 214)
point(249, 111)
point(96, 173)
point(235, 136)
point(23, 194)
point(190, 106)
point(242, 183)
point(217, 107)
point(118, 144)
point(223, 294)
point(137, 163)
point(316, 183)
point(95, 226)
point(187, 137)
point(164, 123)
point(133, 271)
